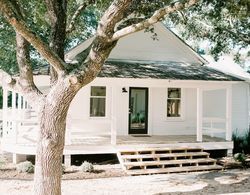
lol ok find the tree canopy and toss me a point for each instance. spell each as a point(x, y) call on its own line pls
point(225, 24)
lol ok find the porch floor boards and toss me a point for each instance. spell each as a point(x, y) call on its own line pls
point(168, 139)
point(98, 144)
point(132, 140)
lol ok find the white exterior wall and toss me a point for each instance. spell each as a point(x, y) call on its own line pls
point(214, 106)
point(79, 113)
point(158, 124)
point(161, 125)
point(141, 46)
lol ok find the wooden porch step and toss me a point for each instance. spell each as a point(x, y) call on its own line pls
point(167, 150)
point(165, 160)
point(174, 170)
point(170, 162)
point(166, 155)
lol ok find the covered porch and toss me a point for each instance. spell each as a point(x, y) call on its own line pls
point(209, 130)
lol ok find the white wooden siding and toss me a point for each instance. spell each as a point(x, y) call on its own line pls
point(214, 106)
point(79, 114)
point(141, 46)
point(162, 125)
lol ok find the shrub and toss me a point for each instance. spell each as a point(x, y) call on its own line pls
point(25, 167)
point(241, 143)
point(3, 159)
point(1, 162)
point(87, 167)
point(240, 157)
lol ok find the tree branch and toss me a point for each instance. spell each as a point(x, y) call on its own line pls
point(101, 46)
point(56, 10)
point(12, 16)
point(238, 35)
point(23, 56)
point(229, 29)
point(23, 60)
point(156, 17)
point(31, 94)
point(7, 80)
point(74, 17)
point(182, 15)
point(111, 17)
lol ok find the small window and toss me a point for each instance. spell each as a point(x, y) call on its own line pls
point(174, 102)
point(98, 101)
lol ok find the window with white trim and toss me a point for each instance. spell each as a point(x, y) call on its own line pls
point(98, 101)
point(174, 103)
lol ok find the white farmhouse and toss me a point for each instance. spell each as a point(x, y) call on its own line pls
point(150, 94)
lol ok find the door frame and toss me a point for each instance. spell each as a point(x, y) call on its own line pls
point(139, 131)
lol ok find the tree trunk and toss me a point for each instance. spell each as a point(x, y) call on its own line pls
point(49, 156)
point(51, 138)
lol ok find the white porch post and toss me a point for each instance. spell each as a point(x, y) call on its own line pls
point(13, 116)
point(113, 118)
point(199, 115)
point(67, 160)
point(17, 158)
point(229, 113)
point(5, 110)
point(19, 105)
point(13, 104)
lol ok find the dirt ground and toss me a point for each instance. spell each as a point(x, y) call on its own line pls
point(230, 181)
point(100, 171)
point(110, 179)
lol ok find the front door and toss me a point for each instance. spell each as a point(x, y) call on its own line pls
point(138, 110)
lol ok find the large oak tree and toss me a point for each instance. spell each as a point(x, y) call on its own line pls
point(44, 29)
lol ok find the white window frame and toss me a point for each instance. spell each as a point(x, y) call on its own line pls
point(182, 117)
point(101, 97)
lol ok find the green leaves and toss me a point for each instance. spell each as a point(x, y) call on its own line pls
point(224, 24)
point(7, 47)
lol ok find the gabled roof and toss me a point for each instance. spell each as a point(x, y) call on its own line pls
point(139, 56)
point(227, 65)
point(159, 70)
point(141, 46)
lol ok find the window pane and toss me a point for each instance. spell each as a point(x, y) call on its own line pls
point(174, 92)
point(98, 91)
point(97, 106)
point(174, 108)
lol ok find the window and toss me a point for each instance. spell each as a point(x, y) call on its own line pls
point(174, 102)
point(97, 101)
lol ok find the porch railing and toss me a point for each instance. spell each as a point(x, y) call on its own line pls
point(87, 131)
point(214, 126)
point(25, 131)
point(18, 129)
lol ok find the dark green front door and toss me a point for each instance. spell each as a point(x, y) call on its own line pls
point(138, 110)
